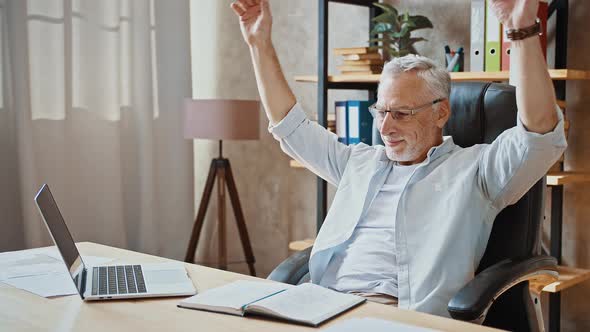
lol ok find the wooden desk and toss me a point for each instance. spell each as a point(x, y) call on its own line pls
point(23, 311)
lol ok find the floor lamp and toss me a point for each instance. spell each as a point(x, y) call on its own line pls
point(221, 120)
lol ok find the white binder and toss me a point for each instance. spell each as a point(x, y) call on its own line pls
point(478, 17)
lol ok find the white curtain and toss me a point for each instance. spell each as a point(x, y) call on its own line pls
point(90, 103)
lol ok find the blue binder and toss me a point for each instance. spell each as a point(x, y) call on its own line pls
point(341, 121)
point(360, 122)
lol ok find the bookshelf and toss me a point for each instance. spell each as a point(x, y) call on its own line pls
point(555, 179)
point(556, 74)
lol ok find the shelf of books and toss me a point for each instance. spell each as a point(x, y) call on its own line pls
point(556, 74)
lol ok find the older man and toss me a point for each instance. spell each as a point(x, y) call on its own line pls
point(410, 220)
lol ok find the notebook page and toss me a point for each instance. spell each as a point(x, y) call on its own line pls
point(306, 303)
point(232, 297)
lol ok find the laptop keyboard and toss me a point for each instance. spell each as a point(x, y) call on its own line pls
point(120, 279)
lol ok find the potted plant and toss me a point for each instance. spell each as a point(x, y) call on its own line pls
point(396, 29)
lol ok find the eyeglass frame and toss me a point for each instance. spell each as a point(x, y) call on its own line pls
point(410, 112)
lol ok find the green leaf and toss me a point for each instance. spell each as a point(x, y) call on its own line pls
point(415, 40)
point(419, 22)
point(387, 8)
point(404, 32)
point(387, 18)
point(381, 27)
point(404, 52)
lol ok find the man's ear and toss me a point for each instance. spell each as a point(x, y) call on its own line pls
point(443, 113)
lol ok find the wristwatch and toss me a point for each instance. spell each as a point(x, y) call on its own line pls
point(519, 34)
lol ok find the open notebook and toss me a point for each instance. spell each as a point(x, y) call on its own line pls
point(307, 303)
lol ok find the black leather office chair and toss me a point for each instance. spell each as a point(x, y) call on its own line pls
point(505, 290)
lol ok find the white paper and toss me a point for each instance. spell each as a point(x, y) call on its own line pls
point(375, 325)
point(46, 285)
point(41, 271)
point(51, 265)
point(12, 259)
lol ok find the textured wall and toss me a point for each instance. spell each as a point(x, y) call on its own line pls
point(278, 201)
point(576, 227)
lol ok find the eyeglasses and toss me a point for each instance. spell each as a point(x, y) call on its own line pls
point(400, 114)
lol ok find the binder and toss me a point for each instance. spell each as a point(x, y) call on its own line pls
point(492, 41)
point(478, 17)
point(505, 52)
point(360, 122)
point(341, 121)
point(542, 15)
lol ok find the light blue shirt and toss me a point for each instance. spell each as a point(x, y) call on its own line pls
point(366, 261)
point(445, 212)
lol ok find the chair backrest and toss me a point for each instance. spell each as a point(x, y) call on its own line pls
point(479, 113)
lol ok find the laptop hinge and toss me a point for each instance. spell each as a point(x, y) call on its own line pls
point(83, 283)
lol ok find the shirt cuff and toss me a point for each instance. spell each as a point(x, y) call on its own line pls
point(289, 123)
point(556, 137)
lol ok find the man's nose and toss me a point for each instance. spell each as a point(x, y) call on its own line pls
point(387, 125)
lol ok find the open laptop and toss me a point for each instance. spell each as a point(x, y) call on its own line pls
point(111, 281)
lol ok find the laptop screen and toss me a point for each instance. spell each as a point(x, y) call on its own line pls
point(61, 235)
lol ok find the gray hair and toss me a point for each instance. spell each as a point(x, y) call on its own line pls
point(437, 79)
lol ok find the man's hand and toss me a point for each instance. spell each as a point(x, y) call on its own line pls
point(515, 14)
point(256, 24)
point(255, 20)
point(535, 97)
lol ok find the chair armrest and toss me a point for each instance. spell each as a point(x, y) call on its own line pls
point(472, 302)
point(292, 269)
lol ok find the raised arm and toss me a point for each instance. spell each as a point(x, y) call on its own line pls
point(306, 141)
point(535, 97)
point(256, 23)
point(520, 156)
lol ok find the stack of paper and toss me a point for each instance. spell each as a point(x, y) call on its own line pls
point(41, 271)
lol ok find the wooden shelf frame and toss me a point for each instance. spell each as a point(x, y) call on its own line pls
point(553, 178)
point(363, 3)
point(562, 178)
point(568, 276)
point(556, 74)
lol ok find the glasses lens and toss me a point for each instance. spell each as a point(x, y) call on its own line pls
point(401, 115)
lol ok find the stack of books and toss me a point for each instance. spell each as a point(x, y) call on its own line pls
point(359, 60)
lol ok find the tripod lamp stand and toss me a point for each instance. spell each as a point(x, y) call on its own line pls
point(221, 120)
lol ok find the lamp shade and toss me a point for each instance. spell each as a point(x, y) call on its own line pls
point(222, 119)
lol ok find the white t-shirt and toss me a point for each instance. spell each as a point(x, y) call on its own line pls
point(366, 262)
